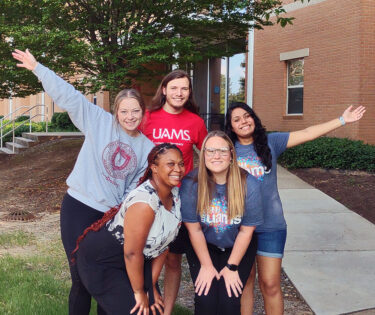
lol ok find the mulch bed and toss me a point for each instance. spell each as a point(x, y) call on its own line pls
point(354, 189)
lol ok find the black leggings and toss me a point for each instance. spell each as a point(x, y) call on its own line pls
point(101, 266)
point(75, 217)
point(217, 301)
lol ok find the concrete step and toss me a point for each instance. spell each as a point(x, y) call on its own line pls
point(46, 136)
point(30, 139)
point(5, 150)
point(30, 136)
point(25, 141)
point(17, 147)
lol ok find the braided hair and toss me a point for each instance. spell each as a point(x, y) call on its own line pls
point(96, 226)
point(260, 137)
point(152, 159)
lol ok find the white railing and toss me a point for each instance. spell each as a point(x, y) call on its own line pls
point(13, 121)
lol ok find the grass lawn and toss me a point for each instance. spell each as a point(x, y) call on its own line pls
point(36, 280)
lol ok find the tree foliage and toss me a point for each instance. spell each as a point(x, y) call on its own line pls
point(108, 43)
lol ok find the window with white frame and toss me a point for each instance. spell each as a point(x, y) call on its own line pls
point(295, 78)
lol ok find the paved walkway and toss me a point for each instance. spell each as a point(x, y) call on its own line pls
point(330, 250)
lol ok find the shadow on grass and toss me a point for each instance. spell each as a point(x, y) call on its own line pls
point(40, 284)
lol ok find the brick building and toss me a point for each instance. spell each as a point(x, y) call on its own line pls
point(310, 72)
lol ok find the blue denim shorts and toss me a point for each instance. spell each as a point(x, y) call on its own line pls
point(271, 244)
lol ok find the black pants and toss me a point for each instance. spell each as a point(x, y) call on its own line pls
point(217, 301)
point(101, 266)
point(75, 217)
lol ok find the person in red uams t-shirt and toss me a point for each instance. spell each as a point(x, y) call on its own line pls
point(173, 118)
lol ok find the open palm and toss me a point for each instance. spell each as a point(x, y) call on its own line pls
point(351, 115)
point(26, 58)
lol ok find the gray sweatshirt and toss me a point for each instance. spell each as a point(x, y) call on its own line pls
point(110, 161)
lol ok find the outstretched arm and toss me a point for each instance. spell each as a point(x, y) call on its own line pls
point(313, 132)
point(83, 114)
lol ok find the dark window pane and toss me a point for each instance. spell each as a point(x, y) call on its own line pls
point(295, 101)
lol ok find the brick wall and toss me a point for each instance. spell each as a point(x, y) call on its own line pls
point(338, 72)
point(367, 69)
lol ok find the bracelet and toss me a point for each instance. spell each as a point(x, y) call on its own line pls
point(232, 267)
point(342, 121)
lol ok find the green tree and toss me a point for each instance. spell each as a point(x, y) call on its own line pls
point(108, 43)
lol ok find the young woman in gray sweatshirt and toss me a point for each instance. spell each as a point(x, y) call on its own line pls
point(112, 159)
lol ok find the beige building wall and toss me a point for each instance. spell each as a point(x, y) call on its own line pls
point(146, 86)
point(29, 104)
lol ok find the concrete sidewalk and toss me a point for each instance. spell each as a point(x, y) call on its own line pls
point(330, 250)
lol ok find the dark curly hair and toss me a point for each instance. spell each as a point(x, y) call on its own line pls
point(97, 225)
point(260, 138)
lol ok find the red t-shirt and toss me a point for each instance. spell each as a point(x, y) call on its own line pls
point(183, 129)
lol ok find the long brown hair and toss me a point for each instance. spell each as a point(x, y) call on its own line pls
point(152, 159)
point(159, 99)
point(236, 181)
point(128, 93)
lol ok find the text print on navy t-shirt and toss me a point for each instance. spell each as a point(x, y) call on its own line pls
point(217, 217)
point(253, 165)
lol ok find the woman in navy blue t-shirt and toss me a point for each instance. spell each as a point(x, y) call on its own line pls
point(257, 153)
point(221, 205)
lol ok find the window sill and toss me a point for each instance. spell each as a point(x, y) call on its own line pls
point(293, 117)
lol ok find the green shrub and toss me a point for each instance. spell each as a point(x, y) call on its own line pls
point(54, 117)
point(36, 127)
point(22, 118)
point(1, 116)
point(62, 122)
point(329, 153)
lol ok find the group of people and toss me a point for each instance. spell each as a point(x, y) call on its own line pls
point(133, 185)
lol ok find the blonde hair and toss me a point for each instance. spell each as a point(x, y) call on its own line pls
point(128, 93)
point(235, 185)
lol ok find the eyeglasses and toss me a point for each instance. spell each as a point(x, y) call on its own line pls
point(221, 151)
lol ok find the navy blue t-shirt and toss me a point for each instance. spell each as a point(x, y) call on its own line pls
point(249, 160)
point(215, 226)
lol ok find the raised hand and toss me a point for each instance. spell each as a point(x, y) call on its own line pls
point(204, 279)
point(351, 115)
point(232, 281)
point(26, 58)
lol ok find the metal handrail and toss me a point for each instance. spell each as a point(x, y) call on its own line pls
point(22, 123)
point(10, 114)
